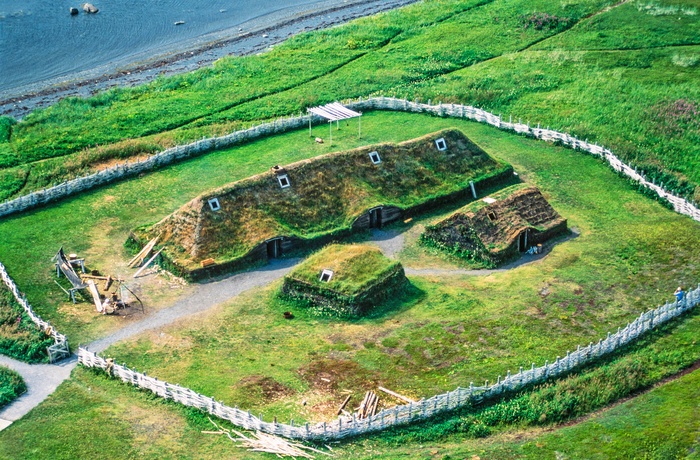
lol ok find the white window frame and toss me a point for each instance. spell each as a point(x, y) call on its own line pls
point(324, 273)
point(284, 177)
point(214, 204)
point(441, 141)
point(372, 156)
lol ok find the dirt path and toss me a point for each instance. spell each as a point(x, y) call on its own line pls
point(43, 379)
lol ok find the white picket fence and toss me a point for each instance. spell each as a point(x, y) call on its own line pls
point(285, 124)
point(60, 347)
point(399, 415)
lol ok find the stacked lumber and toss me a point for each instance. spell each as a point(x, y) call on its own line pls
point(368, 406)
point(262, 442)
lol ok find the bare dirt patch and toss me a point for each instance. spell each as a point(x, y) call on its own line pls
point(335, 375)
point(267, 387)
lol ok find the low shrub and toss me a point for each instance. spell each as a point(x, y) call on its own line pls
point(11, 386)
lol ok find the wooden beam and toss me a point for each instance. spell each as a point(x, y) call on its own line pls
point(396, 395)
point(150, 261)
point(143, 253)
point(95, 295)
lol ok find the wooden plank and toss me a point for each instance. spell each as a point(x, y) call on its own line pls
point(93, 277)
point(150, 261)
point(207, 262)
point(95, 295)
point(143, 253)
point(396, 395)
point(108, 283)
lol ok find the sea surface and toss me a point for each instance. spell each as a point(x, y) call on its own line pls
point(42, 44)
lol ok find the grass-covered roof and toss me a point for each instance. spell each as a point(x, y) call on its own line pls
point(327, 194)
point(355, 267)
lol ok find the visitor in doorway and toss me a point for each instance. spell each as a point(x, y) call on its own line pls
point(679, 294)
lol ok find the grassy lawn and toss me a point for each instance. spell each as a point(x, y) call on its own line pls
point(92, 416)
point(624, 76)
point(641, 61)
point(626, 237)
point(11, 386)
point(444, 333)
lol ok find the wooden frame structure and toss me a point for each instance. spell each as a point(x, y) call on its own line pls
point(335, 111)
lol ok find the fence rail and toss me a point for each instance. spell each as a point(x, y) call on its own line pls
point(285, 124)
point(399, 415)
point(60, 347)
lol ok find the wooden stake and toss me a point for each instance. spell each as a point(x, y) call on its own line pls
point(396, 395)
point(345, 403)
point(108, 283)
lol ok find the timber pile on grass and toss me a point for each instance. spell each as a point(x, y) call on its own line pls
point(499, 227)
point(317, 200)
point(345, 280)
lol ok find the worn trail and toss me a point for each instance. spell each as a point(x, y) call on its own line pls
point(43, 379)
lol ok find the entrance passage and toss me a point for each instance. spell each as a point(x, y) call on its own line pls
point(522, 241)
point(375, 218)
point(274, 248)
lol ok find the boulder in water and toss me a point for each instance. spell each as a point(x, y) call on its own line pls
point(73, 11)
point(90, 8)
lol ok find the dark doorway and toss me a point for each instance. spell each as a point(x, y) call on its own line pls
point(522, 242)
point(375, 218)
point(274, 248)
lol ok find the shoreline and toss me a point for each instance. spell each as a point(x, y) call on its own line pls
point(251, 37)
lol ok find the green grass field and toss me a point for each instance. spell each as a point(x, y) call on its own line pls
point(624, 75)
point(639, 58)
point(95, 224)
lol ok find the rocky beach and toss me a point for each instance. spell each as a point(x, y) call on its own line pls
point(251, 37)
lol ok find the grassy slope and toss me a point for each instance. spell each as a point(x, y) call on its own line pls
point(20, 338)
point(469, 51)
point(93, 416)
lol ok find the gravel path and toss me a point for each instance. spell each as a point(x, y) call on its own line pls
point(389, 241)
point(43, 379)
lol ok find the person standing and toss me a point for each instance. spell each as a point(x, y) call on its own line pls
point(679, 294)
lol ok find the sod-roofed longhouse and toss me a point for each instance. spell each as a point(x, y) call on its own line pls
point(319, 200)
point(345, 280)
point(499, 227)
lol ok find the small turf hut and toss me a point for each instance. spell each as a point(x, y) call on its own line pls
point(316, 201)
point(345, 280)
point(499, 227)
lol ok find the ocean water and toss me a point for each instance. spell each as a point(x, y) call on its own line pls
point(40, 42)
